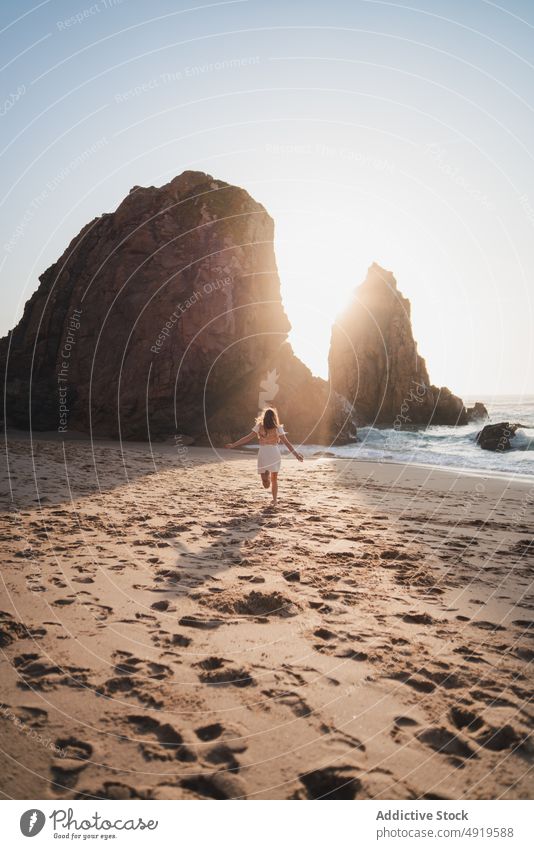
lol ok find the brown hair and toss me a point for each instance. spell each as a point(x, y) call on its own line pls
point(268, 419)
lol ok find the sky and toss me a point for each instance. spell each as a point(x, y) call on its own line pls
point(372, 131)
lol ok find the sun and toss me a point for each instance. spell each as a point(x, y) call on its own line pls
point(327, 236)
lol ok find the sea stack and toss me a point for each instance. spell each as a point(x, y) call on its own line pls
point(374, 362)
point(163, 318)
point(497, 437)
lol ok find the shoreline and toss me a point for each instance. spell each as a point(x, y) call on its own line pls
point(205, 452)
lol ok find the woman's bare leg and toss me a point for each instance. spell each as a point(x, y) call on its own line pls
point(266, 479)
point(274, 486)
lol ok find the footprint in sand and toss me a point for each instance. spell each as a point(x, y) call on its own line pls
point(127, 664)
point(329, 647)
point(324, 634)
point(405, 721)
point(100, 611)
point(11, 630)
point(292, 700)
point(112, 790)
point(168, 576)
point(163, 639)
point(31, 716)
point(207, 733)
point(136, 678)
point(74, 758)
point(470, 655)
point(444, 678)
point(492, 699)
point(498, 738)
point(414, 681)
point(417, 618)
point(145, 617)
point(495, 738)
point(218, 785)
point(527, 624)
point(524, 653)
point(165, 742)
point(339, 782)
point(291, 575)
point(463, 718)
point(446, 742)
point(222, 755)
point(487, 626)
point(38, 674)
point(216, 671)
point(160, 605)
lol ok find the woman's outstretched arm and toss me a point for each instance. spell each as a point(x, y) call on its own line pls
point(243, 441)
point(286, 442)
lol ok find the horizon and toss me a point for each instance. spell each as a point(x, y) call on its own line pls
point(403, 143)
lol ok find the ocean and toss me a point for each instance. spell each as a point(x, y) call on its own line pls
point(452, 447)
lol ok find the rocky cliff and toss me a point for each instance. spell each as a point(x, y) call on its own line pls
point(162, 318)
point(374, 362)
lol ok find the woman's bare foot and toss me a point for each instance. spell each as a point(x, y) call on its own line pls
point(274, 503)
point(266, 479)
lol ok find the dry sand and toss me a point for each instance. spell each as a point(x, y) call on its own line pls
point(171, 638)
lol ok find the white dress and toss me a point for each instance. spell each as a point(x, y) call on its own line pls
point(269, 456)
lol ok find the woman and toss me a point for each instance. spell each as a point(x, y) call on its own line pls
point(270, 434)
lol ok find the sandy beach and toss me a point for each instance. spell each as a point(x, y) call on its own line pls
point(164, 636)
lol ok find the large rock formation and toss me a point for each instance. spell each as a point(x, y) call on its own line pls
point(374, 361)
point(164, 318)
point(497, 437)
point(477, 413)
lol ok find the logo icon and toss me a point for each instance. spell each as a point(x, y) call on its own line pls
point(268, 389)
point(31, 822)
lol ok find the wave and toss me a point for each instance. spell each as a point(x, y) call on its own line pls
point(453, 447)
